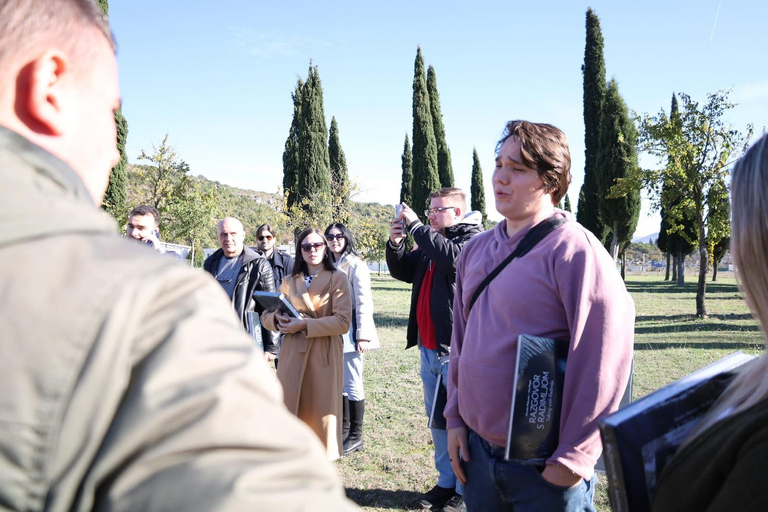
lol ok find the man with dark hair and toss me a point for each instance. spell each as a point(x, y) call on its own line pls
point(432, 270)
point(566, 288)
point(126, 382)
point(143, 225)
point(280, 262)
point(241, 271)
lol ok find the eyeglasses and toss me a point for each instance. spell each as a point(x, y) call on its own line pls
point(331, 237)
point(265, 237)
point(309, 247)
point(435, 211)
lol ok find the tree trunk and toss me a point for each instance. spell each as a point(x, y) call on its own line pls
point(680, 264)
point(666, 277)
point(615, 242)
point(701, 290)
point(623, 265)
point(674, 268)
point(714, 273)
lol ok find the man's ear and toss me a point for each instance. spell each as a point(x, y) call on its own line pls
point(47, 87)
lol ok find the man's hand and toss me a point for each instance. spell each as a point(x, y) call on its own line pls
point(362, 346)
point(396, 231)
point(458, 448)
point(408, 214)
point(269, 357)
point(560, 475)
point(289, 325)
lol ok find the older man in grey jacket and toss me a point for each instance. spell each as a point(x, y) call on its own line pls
point(126, 382)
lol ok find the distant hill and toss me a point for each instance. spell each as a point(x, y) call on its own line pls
point(646, 239)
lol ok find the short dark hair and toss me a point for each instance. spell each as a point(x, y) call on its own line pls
point(299, 265)
point(349, 247)
point(544, 148)
point(146, 209)
point(266, 227)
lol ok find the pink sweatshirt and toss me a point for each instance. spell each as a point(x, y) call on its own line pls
point(566, 288)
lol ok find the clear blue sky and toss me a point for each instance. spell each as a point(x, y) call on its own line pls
point(218, 76)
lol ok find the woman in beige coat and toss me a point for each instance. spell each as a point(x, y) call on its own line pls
point(311, 358)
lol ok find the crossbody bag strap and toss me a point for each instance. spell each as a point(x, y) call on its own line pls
point(529, 241)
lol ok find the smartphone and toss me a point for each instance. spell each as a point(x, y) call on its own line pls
point(398, 211)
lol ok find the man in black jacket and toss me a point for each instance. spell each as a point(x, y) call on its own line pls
point(432, 270)
point(241, 271)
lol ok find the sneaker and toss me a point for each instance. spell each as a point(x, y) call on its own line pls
point(455, 504)
point(436, 497)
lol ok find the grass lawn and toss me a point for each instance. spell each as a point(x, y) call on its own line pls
point(397, 465)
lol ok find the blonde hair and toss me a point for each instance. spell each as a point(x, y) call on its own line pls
point(29, 26)
point(749, 248)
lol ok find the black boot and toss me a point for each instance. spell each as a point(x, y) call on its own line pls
point(345, 419)
point(354, 441)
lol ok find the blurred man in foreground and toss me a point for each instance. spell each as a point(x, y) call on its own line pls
point(127, 383)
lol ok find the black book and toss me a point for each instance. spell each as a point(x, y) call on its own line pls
point(272, 301)
point(537, 399)
point(641, 438)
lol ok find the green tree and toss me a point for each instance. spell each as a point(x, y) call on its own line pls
point(407, 179)
point(593, 70)
point(476, 190)
point(699, 148)
point(425, 174)
point(444, 167)
point(617, 159)
point(314, 175)
point(719, 232)
point(114, 197)
point(291, 151)
point(339, 176)
point(189, 219)
point(568, 203)
point(165, 175)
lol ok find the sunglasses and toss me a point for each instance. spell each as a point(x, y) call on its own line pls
point(265, 237)
point(309, 247)
point(331, 237)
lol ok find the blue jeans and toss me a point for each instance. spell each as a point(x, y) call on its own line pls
point(495, 484)
point(431, 367)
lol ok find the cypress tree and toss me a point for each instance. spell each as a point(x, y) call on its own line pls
point(568, 203)
point(594, 96)
point(291, 151)
point(339, 176)
point(114, 196)
point(407, 180)
point(314, 178)
point(425, 175)
point(444, 167)
point(616, 159)
point(476, 190)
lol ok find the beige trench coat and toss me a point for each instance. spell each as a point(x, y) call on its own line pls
point(311, 361)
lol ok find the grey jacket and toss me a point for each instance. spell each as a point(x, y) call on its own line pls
point(126, 382)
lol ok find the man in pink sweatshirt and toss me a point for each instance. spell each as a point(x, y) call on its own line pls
point(566, 288)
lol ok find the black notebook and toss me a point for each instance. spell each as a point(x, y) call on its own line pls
point(639, 439)
point(272, 301)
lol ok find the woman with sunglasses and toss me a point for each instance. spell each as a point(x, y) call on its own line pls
point(311, 357)
point(361, 336)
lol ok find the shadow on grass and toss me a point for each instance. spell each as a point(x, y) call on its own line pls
point(390, 320)
point(669, 287)
point(695, 327)
point(392, 288)
point(687, 318)
point(721, 345)
point(384, 498)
